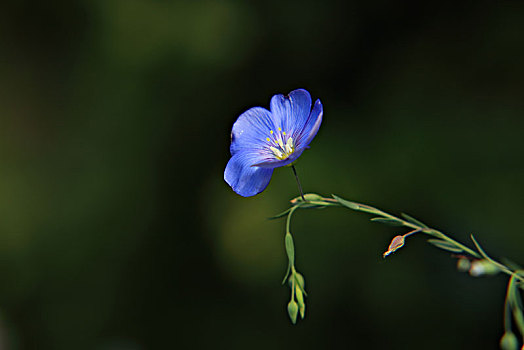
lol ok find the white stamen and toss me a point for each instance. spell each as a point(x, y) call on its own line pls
point(281, 150)
point(277, 153)
point(289, 145)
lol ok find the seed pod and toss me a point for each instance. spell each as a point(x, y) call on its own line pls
point(396, 243)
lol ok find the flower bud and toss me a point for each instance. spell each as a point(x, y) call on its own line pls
point(300, 300)
point(308, 197)
point(482, 267)
point(292, 310)
point(463, 265)
point(300, 280)
point(509, 341)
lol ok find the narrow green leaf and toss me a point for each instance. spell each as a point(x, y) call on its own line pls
point(278, 216)
point(290, 249)
point(413, 220)
point(479, 248)
point(445, 245)
point(355, 206)
point(388, 221)
point(287, 273)
point(348, 204)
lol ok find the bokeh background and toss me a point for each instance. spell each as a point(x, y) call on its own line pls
point(117, 230)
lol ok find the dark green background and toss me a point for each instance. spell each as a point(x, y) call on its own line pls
point(117, 230)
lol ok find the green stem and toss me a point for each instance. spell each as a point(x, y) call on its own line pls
point(507, 306)
point(288, 221)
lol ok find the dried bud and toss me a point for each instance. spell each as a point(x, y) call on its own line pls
point(396, 243)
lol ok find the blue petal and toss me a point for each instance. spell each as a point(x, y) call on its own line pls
point(244, 178)
point(291, 112)
point(310, 129)
point(277, 163)
point(250, 131)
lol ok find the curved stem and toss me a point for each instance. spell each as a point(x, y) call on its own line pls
point(288, 221)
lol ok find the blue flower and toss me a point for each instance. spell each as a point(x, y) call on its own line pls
point(263, 140)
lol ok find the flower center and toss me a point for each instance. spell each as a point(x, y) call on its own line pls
point(280, 144)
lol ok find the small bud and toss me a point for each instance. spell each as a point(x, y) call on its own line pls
point(308, 197)
point(300, 300)
point(509, 341)
point(396, 243)
point(463, 265)
point(300, 280)
point(302, 311)
point(482, 267)
point(292, 310)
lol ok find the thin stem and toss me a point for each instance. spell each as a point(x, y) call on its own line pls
point(288, 221)
point(292, 289)
point(298, 183)
point(507, 306)
point(411, 232)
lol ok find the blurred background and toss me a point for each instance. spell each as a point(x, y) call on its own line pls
point(117, 230)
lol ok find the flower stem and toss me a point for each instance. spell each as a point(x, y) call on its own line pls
point(298, 183)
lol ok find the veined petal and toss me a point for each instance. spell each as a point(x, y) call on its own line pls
point(251, 129)
point(244, 178)
point(262, 140)
point(276, 163)
point(291, 112)
point(310, 129)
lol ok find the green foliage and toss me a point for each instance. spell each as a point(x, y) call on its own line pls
point(413, 220)
point(445, 245)
point(388, 221)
